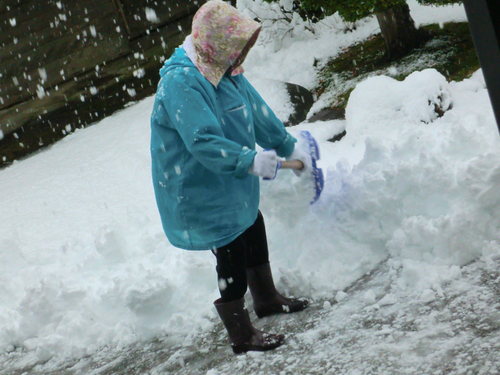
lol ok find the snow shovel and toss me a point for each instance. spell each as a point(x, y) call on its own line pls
point(316, 174)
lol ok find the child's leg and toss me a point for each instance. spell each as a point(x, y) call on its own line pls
point(257, 252)
point(231, 270)
point(248, 250)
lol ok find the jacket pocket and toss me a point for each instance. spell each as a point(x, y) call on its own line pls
point(237, 108)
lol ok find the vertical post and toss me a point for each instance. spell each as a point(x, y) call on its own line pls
point(484, 23)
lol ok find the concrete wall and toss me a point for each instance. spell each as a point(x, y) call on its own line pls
point(68, 63)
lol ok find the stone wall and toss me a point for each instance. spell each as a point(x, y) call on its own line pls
point(67, 63)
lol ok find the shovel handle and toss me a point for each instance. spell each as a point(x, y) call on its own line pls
point(292, 164)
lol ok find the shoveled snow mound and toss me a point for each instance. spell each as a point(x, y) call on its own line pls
point(404, 182)
point(439, 174)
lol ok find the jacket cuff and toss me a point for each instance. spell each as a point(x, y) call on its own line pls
point(245, 161)
point(286, 147)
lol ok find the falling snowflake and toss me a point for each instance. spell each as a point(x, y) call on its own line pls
point(43, 74)
point(151, 15)
point(139, 73)
point(222, 284)
point(264, 110)
point(40, 92)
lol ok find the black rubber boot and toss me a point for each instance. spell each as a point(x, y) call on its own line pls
point(266, 299)
point(243, 335)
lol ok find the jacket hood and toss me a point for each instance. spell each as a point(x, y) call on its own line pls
point(179, 59)
point(219, 35)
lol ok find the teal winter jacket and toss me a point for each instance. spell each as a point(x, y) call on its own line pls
point(202, 146)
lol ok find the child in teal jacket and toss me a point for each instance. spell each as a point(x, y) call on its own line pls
point(205, 123)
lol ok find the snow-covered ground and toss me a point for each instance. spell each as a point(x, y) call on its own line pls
point(86, 271)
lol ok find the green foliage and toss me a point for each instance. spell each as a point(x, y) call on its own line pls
point(354, 10)
point(450, 51)
point(351, 10)
point(313, 10)
point(327, 6)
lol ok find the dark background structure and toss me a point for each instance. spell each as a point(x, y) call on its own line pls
point(66, 63)
point(484, 22)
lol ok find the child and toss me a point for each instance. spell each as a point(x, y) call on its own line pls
point(206, 120)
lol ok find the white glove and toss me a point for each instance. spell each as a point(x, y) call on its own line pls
point(299, 154)
point(265, 164)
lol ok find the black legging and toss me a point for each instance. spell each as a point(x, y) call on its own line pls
point(247, 250)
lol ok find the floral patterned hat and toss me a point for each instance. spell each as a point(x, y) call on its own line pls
point(219, 34)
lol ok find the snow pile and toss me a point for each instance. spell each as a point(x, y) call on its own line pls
point(404, 183)
point(439, 172)
point(83, 259)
